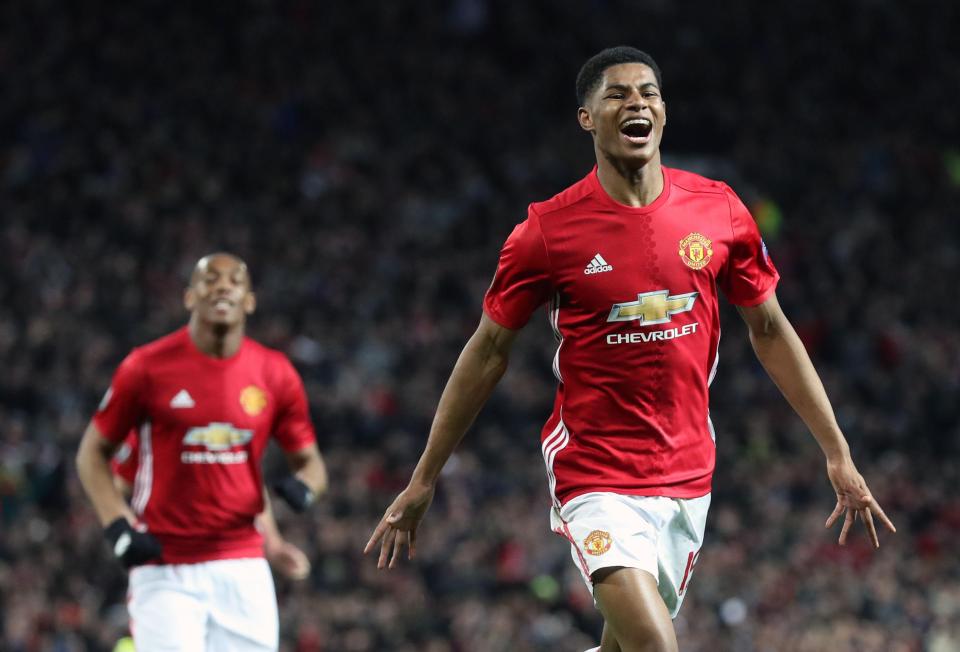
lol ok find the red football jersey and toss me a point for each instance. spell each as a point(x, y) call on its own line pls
point(203, 424)
point(633, 304)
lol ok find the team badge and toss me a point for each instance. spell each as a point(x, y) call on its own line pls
point(597, 543)
point(695, 251)
point(253, 400)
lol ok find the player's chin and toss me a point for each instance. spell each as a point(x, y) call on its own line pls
point(636, 156)
point(223, 318)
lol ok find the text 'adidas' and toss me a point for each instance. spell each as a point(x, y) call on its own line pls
point(597, 265)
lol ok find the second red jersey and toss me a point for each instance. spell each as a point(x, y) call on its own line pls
point(633, 302)
point(203, 424)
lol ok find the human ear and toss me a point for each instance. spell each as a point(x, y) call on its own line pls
point(585, 119)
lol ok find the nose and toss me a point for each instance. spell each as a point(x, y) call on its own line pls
point(223, 285)
point(635, 100)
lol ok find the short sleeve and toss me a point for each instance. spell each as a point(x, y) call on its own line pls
point(121, 409)
point(749, 277)
point(292, 428)
point(125, 460)
point(522, 282)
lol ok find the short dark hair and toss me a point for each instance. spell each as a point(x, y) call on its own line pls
point(592, 71)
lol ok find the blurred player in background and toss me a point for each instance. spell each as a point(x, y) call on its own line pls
point(204, 401)
point(285, 557)
point(629, 260)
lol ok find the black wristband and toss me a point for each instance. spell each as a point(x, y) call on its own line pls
point(131, 547)
point(294, 492)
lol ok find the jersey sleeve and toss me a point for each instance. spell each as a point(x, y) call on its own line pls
point(125, 460)
point(293, 428)
point(522, 282)
point(749, 277)
point(121, 409)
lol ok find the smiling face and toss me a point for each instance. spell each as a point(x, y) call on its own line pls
point(626, 114)
point(219, 292)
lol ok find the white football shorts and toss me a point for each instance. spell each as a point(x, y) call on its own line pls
point(227, 605)
point(653, 533)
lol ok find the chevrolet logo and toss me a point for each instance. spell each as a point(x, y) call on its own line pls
point(217, 436)
point(653, 307)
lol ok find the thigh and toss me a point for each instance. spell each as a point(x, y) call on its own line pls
point(244, 611)
point(634, 612)
point(166, 611)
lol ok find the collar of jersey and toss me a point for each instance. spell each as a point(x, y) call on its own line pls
point(649, 208)
point(192, 347)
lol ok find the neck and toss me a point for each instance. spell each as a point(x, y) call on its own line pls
point(215, 340)
point(632, 186)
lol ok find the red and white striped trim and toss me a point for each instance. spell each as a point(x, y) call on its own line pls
point(553, 444)
point(143, 482)
point(713, 373)
point(555, 325)
point(716, 361)
point(564, 531)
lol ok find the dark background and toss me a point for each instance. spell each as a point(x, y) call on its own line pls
point(368, 159)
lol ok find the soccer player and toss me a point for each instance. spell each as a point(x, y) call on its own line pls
point(630, 260)
point(285, 557)
point(204, 400)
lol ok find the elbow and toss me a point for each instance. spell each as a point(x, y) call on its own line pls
point(82, 459)
point(495, 360)
point(498, 365)
point(766, 329)
point(322, 485)
point(323, 478)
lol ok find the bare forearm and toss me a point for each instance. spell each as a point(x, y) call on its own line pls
point(308, 466)
point(782, 354)
point(476, 374)
point(266, 523)
point(93, 468)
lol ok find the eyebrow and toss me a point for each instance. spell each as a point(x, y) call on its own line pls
point(626, 87)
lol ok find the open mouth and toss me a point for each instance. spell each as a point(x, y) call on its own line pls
point(223, 304)
point(637, 130)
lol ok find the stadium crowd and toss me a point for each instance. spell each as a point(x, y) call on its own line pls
point(368, 159)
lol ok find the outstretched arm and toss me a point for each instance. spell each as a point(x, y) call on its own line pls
point(478, 370)
point(782, 354)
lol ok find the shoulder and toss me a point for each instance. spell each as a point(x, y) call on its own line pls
point(275, 362)
point(170, 344)
point(566, 199)
point(145, 357)
point(695, 183)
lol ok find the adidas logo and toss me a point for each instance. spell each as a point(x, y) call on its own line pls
point(598, 265)
point(182, 400)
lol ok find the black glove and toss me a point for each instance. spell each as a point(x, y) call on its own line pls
point(294, 492)
point(131, 547)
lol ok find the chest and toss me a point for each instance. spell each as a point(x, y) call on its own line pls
point(183, 397)
point(603, 260)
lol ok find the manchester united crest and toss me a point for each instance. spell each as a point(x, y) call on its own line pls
point(597, 543)
point(695, 251)
point(253, 400)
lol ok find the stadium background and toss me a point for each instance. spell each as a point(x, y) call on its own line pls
point(368, 159)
